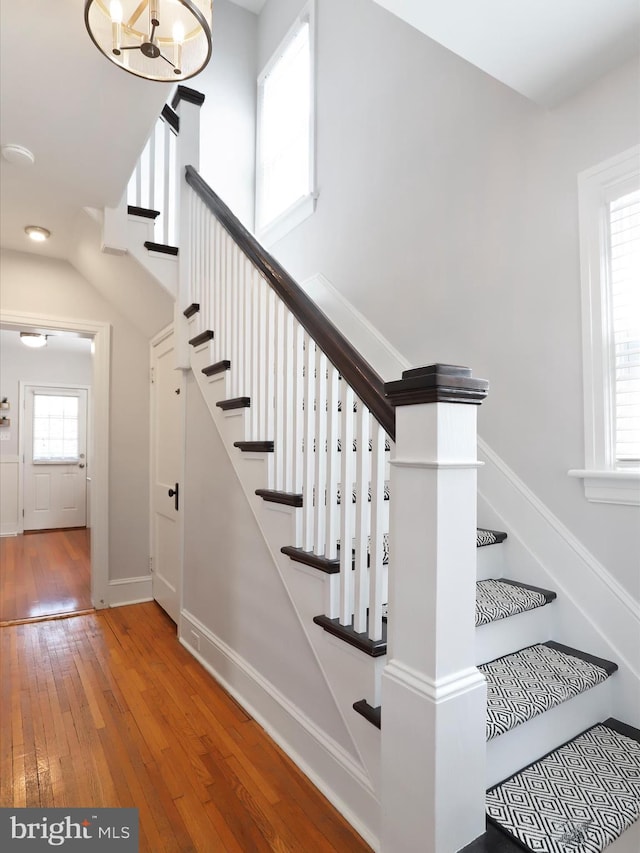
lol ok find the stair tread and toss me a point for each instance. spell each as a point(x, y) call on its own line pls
point(162, 248)
point(489, 537)
point(582, 796)
point(499, 599)
point(522, 685)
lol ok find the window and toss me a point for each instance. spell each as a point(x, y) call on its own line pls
point(609, 206)
point(285, 150)
point(55, 428)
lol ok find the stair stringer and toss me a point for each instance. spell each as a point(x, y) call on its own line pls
point(124, 233)
point(349, 674)
point(592, 611)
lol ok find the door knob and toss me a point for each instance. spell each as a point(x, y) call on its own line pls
point(175, 493)
point(81, 465)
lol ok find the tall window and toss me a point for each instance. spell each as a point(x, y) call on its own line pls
point(609, 200)
point(624, 262)
point(285, 150)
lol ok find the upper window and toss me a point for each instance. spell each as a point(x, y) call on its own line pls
point(285, 145)
point(609, 201)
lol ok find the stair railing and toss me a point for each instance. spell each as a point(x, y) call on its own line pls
point(153, 186)
point(329, 448)
point(317, 406)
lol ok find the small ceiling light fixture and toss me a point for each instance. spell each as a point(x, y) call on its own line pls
point(35, 340)
point(164, 40)
point(37, 233)
point(18, 154)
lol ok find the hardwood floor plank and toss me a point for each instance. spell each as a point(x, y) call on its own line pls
point(109, 709)
point(44, 574)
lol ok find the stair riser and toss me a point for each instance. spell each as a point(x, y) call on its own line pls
point(490, 562)
point(202, 356)
point(506, 636)
point(530, 741)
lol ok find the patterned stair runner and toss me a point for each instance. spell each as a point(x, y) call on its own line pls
point(578, 799)
point(529, 682)
point(498, 599)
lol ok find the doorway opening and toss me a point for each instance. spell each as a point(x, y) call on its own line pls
point(55, 555)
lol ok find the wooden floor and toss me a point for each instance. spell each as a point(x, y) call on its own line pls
point(108, 709)
point(44, 574)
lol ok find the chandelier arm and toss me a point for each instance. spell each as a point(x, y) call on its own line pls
point(131, 47)
point(162, 56)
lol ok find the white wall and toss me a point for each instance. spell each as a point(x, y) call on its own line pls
point(448, 216)
point(227, 154)
point(48, 287)
point(231, 583)
point(61, 362)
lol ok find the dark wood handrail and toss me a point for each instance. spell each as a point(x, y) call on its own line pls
point(364, 380)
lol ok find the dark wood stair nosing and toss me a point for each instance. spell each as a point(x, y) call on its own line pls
point(276, 497)
point(202, 338)
point(373, 715)
point(609, 666)
point(234, 403)
point(549, 594)
point(254, 446)
point(143, 212)
point(162, 248)
point(218, 367)
point(192, 309)
point(373, 648)
point(330, 566)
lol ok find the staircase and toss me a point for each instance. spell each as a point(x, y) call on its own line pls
point(333, 463)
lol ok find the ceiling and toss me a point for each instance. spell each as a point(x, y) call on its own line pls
point(86, 121)
point(545, 49)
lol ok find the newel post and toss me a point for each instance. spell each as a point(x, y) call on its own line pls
point(186, 103)
point(433, 697)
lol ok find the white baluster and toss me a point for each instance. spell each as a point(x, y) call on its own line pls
point(263, 365)
point(346, 509)
point(217, 292)
point(254, 299)
point(279, 395)
point(298, 407)
point(309, 436)
point(153, 170)
point(289, 412)
point(333, 464)
point(361, 585)
point(321, 452)
point(377, 586)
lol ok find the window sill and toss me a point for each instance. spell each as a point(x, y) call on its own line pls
point(287, 221)
point(610, 487)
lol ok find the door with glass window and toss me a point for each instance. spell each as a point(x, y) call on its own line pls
point(55, 457)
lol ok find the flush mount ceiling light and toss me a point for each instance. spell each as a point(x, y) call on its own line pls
point(33, 339)
point(18, 154)
point(164, 40)
point(37, 234)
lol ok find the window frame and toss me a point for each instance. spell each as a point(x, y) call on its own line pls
point(303, 207)
point(604, 480)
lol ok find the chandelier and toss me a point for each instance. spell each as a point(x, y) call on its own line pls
point(165, 40)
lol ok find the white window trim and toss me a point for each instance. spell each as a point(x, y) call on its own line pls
point(306, 205)
point(603, 481)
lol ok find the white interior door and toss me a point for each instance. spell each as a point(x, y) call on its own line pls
point(55, 457)
point(167, 453)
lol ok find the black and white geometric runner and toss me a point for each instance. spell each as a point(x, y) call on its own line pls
point(529, 682)
point(497, 600)
point(578, 799)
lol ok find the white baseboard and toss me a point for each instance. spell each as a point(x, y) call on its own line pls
point(130, 591)
point(329, 767)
